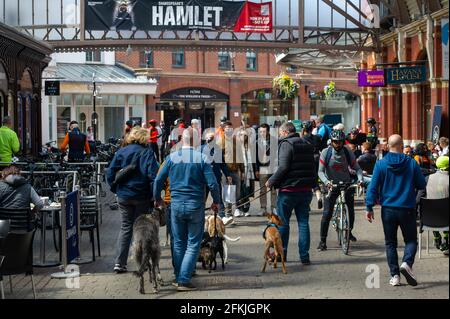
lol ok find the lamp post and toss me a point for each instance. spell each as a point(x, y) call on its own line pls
point(94, 114)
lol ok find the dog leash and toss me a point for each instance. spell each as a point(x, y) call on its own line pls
point(243, 204)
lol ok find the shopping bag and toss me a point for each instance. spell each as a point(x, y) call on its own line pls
point(229, 194)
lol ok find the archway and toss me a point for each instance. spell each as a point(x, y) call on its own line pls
point(3, 92)
point(343, 107)
point(25, 119)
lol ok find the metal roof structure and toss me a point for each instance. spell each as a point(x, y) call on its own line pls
point(82, 73)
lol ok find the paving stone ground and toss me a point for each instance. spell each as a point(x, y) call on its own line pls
point(331, 274)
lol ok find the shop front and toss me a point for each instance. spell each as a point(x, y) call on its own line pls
point(261, 106)
point(22, 60)
point(119, 97)
point(205, 105)
point(342, 107)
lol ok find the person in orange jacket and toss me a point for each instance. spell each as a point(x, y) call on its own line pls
point(77, 142)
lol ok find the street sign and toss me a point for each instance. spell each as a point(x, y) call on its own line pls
point(406, 75)
point(372, 78)
point(52, 88)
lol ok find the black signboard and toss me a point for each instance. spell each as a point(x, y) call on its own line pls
point(406, 75)
point(52, 88)
point(161, 15)
point(436, 128)
point(194, 94)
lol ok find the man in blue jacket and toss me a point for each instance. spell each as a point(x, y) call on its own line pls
point(396, 179)
point(189, 173)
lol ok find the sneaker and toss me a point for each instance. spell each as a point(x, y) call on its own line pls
point(320, 203)
point(186, 287)
point(352, 238)
point(118, 269)
point(444, 247)
point(262, 212)
point(437, 243)
point(175, 283)
point(227, 220)
point(247, 214)
point(408, 273)
point(322, 246)
point(395, 280)
point(238, 213)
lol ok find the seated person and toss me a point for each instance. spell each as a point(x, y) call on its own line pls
point(16, 192)
point(367, 162)
point(355, 150)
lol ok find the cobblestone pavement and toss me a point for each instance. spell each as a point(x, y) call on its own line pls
point(331, 274)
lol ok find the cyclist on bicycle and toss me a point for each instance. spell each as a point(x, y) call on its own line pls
point(337, 164)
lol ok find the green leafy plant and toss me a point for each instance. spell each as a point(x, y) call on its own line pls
point(285, 86)
point(329, 90)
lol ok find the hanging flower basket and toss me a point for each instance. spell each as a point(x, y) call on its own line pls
point(329, 90)
point(285, 87)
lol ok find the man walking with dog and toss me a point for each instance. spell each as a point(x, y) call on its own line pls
point(189, 173)
point(295, 177)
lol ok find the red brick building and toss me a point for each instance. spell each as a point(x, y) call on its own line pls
point(210, 84)
point(408, 109)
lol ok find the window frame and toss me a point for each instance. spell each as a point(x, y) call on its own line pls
point(174, 53)
point(92, 57)
point(255, 69)
point(143, 58)
point(220, 55)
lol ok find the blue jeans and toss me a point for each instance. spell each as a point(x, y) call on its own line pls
point(299, 202)
point(130, 210)
point(392, 218)
point(169, 231)
point(187, 224)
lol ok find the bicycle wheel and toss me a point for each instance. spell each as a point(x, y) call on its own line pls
point(345, 230)
point(335, 222)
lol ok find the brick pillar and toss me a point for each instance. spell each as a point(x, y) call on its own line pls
point(234, 107)
point(444, 103)
point(390, 113)
point(304, 111)
point(417, 114)
point(363, 111)
point(406, 113)
point(152, 113)
point(372, 107)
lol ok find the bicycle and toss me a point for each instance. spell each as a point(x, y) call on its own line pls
point(340, 219)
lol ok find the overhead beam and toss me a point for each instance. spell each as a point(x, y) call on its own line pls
point(119, 44)
point(345, 14)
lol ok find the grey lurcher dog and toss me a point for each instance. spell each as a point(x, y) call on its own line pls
point(146, 248)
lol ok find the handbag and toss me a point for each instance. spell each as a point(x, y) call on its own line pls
point(125, 173)
point(229, 194)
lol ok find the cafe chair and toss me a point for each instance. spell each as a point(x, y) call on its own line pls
point(89, 220)
point(20, 219)
point(18, 257)
point(4, 227)
point(433, 217)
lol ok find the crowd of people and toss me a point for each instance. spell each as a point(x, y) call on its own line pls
point(290, 166)
point(178, 167)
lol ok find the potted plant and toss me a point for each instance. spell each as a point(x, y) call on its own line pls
point(329, 90)
point(285, 86)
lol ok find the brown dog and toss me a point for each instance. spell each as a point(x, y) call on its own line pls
point(273, 239)
point(211, 228)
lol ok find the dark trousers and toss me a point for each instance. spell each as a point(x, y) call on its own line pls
point(130, 210)
point(328, 207)
point(155, 149)
point(404, 218)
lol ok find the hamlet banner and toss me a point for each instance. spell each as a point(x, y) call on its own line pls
point(147, 15)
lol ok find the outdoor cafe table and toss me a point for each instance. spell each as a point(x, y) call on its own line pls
point(46, 210)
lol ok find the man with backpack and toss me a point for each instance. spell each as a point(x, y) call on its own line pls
point(337, 164)
point(323, 130)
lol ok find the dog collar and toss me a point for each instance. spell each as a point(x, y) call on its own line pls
point(268, 226)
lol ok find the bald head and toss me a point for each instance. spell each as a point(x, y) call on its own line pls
point(191, 137)
point(395, 143)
